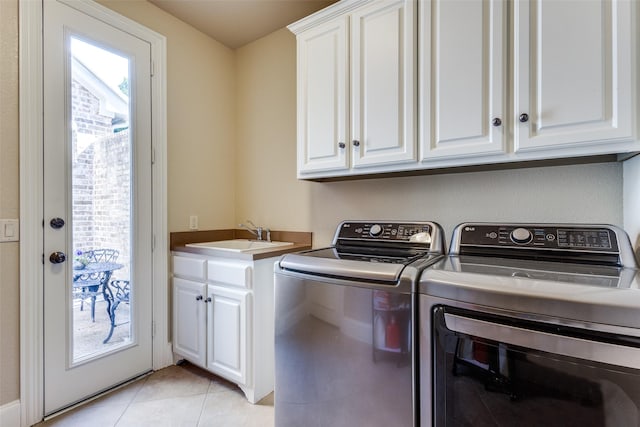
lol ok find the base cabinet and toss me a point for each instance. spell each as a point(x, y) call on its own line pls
point(227, 319)
point(223, 319)
point(190, 317)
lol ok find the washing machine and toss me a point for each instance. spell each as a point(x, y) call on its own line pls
point(345, 326)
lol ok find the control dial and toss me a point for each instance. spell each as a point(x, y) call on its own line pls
point(375, 230)
point(521, 236)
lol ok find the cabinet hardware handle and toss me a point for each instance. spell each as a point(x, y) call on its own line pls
point(356, 143)
point(208, 300)
point(496, 122)
point(199, 298)
point(341, 144)
point(524, 117)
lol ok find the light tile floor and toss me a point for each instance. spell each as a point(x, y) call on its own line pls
point(180, 396)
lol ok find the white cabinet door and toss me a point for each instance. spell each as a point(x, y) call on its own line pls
point(462, 78)
point(228, 334)
point(322, 98)
point(189, 320)
point(383, 73)
point(573, 73)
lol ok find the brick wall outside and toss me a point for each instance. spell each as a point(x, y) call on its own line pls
point(101, 192)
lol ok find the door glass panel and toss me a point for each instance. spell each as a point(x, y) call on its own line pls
point(101, 200)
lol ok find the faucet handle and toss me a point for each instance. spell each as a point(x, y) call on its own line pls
point(259, 232)
point(268, 235)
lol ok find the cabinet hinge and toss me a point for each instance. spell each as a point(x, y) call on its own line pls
point(153, 156)
point(153, 68)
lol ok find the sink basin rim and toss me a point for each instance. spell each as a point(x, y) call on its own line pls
point(239, 245)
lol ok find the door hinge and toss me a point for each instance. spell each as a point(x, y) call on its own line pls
point(153, 329)
point(153, 156)
point(153, 68)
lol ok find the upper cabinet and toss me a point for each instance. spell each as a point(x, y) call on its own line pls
point(462, 78)
point(323, 101)
point(573, 80)
point(497, 81)
point(356, 87)
point(382, 83)
point(572, 75)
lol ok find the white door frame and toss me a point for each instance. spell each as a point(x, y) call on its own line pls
point(31, 196)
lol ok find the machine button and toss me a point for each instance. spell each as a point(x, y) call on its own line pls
point(375, 230)
point(521, 236)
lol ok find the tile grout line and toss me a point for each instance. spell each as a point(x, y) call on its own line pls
point(204, 401)
point(146, 378)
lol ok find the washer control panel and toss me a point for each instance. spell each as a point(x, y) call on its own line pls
point(574, 238)
point(410, 232)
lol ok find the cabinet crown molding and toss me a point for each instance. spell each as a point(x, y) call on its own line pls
point(326, 14)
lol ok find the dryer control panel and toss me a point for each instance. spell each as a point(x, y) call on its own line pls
point(576, 238)
point(598, 244)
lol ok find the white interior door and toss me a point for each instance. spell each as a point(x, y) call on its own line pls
point(97, 206)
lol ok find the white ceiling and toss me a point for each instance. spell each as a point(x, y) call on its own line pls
point(235, 23)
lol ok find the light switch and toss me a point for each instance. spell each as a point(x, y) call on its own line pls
point(9, 230)
point(193, 222)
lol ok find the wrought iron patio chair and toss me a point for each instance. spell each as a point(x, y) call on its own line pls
point(117, 291)
point(102, 255)
point(88, 284)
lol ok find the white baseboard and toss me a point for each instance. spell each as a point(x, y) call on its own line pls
point(10, 414)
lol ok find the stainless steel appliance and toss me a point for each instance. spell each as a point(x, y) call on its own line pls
point(344, 326)
point(531, 325)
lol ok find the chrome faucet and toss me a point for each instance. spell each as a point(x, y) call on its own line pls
point(256, 231)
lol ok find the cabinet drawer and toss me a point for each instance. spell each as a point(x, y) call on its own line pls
point(189, 267)
point(230, 273)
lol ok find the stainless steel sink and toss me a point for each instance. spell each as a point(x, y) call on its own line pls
point(239, 245)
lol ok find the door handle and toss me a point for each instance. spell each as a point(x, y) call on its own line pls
point(57, 257)
point(56, 223)
point(584, 348)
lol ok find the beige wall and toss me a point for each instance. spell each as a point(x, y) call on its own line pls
point(9, 203)
point(267, 190)
point(631, 197)
point(201, 87)
point(581, 193)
